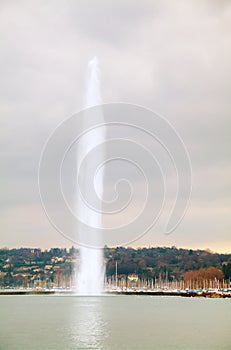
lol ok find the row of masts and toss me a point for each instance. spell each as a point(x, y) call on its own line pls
point(123, 283)
point(115, 282)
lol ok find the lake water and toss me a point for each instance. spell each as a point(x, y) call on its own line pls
point(114, 322)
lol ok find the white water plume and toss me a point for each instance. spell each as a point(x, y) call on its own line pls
point(90, 275)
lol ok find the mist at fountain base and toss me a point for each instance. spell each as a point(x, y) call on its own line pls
point(90, 280)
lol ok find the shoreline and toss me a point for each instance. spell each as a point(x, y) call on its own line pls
point(194, 294)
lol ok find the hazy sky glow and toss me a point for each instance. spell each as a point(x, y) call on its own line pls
point(170, 56)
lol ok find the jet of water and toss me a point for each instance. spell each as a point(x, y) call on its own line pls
point(90, 275)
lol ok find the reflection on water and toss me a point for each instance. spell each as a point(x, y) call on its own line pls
point(88, 329)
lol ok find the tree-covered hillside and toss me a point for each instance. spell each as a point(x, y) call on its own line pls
point(57, 266)
point(151, 262)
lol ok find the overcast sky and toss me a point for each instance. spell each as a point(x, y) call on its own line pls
point(169, 56)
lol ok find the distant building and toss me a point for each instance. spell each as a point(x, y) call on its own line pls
point(133, 277)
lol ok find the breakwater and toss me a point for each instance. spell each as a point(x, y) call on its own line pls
point(183, 293)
